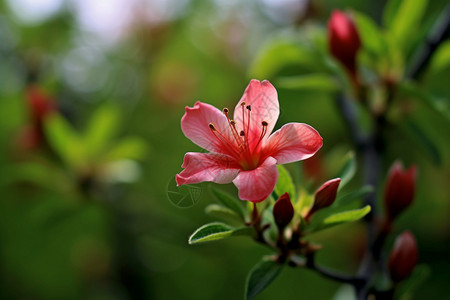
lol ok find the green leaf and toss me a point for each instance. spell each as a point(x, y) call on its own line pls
point(64, 140)
point(284, 183)
point(347, 216)
point(279, 54)
point(438, 72)
point(403, 17)
point(348, 170)
point(418, 277)
point(260, 276)
point(334, 216)
point(310, 82)
point(371, 36)
point(101, 129)
point(216, 231)
point(415, 133)
point(358, 194)
point(438, 104)
point(222, 212)
point(127, 148)
point(230, 202)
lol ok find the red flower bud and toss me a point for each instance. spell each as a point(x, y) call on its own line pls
point(324, 196)
point(399, 190)
point(403, 257)
point(39, 103)
point(344, 41)
point(283, 211)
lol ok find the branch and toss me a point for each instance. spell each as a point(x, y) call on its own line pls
point(328, 273)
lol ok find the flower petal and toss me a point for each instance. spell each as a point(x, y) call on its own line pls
point(195, 126)
point(256, 185)
point(263, 99)
point(293, 142)
point(199, 167)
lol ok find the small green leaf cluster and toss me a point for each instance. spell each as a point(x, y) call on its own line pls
point(95, 155)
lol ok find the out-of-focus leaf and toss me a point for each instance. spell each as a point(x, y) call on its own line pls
point(37, 173)
point(64, 140)
point(279, 54)
point(438, 72)
point(260, 276)
point(348, 169)
point(309, 82)
point(415, 133)
point(102, 127)
point(438, 104)
point(345, 292)
point(304, 203)
point(358, 194)
point(217, 231)
point(441, 58)
point(403, 17)
point(371, 37)
point(127, 148)
point(418, 277)
point(230, 202)
point(222, 212)
point(284, 183)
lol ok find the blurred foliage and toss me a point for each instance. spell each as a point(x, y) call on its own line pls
point(84, 214)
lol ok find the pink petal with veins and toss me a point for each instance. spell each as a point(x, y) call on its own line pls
point(257, 184)
point(199, 167)
point(263, 99)
point(293, 142)
point(195, 126)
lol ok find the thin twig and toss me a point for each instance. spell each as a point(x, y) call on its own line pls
point(311, 264)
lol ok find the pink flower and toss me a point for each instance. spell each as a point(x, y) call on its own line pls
point(242, 150)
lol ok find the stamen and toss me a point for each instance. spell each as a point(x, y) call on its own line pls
point(222, 139)
point(263, 132)
point(249, 109)
point(242, 133)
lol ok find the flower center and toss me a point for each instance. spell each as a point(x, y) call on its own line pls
point(246, 152)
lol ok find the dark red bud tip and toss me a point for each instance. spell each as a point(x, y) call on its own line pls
point(283, 211)
point(40, 104)
point(343, 38)
point(326, 194)
point(400, 189)
point(403, 257)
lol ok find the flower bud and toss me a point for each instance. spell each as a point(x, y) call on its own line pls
point(324, 196)
point(403, 257)
point(399, 190)
point(39, 103)
point(344, 41)
point(283, 211)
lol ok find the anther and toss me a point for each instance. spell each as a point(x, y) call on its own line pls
point(233, 122)
point(242, 133)
point(243, 103)
point(225, 110)
point(249, 107)
point(212, 127)
point(264, 123)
